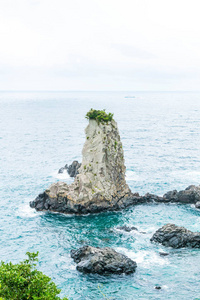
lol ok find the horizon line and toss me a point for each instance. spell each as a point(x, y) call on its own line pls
point(100, 91)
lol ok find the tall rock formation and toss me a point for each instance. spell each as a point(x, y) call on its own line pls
point(100, 184)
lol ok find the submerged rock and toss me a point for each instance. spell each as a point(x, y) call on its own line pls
point(102, 261)
point(100, 184)
point(174, 236)
point(127, 228)
point(190, 195)
point(72, 169)
point(163, 253)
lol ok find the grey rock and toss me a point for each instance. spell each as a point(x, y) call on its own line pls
point(72, 169)
point(102, 261)
point(190, 195)
point(163, 253)
point(127, 228)
point(61, 170)
point(197, 205)
point(174, 236)
point(152, 198)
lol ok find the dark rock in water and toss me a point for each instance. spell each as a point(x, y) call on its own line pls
point(157, 287)
point(174, 236)
point(73, 168)
point(61, 170)
point(102, 261)
point(190, 195)
point(163, 253)
point(152, 198)
point(197, 205)
point(127, 228)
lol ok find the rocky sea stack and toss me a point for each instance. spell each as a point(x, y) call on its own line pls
point(100, 184)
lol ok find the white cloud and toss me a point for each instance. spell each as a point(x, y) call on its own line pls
point(99, 44)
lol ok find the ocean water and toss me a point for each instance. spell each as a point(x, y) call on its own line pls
point(41, 132)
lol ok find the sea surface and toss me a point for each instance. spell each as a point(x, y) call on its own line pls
point(42, 131)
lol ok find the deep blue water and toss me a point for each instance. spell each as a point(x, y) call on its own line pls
point(160, 132)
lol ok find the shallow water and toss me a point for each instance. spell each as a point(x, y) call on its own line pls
point(160, 132)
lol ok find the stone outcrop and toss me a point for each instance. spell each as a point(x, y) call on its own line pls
point(100, 184)
point(174, 236)
point(102, 261)
point(190, 195)
point(72, 169)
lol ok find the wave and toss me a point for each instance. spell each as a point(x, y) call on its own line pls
point(25, 211)
point(144, 257)
point(61, 176)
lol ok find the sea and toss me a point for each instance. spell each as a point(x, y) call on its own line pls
point(40, 132)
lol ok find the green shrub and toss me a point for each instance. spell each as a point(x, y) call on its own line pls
point(99, 115)
point(23, 281)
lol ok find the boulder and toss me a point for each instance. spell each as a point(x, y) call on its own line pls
point(100, 184)
point(174, 236)
point(190, 195)
point(102, 261)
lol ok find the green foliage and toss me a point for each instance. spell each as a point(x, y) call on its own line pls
point(23, 281)
point(99, 115)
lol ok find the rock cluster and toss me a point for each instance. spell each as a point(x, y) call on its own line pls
point(72, 169)
point(102, 261)
point(190, 195)
point(100, 184)
point(174, 236)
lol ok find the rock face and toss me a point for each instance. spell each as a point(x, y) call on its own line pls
point(102, 261)
point(174, 236)
point(72, 169)
point(190, 195)
point(100, 184)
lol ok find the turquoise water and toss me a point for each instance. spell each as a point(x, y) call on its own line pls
point(160, 132)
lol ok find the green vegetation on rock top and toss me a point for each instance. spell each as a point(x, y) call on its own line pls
point(99, 115)
point(23, 281)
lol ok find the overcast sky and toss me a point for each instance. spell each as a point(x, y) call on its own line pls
point(100, 45)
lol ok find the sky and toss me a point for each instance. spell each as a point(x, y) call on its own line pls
point(100, 45)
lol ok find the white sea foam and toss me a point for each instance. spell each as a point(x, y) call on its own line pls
point(61, 176)
point(25, 211)
point(144, 257)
